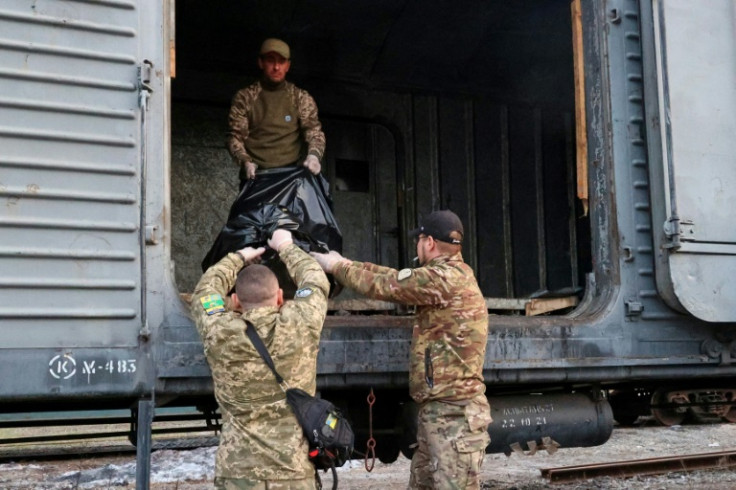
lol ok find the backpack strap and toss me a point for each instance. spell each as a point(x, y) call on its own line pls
point(255, 339)
point(257, 342)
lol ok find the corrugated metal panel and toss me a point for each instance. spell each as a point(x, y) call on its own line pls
point(697, 60)
point(70, 269)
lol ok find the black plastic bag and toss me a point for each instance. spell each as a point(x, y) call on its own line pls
point(286, 197)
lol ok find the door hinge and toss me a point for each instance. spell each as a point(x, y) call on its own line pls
point(677, 230)
point(144, 83)
point(151, 235)
point(671, 229)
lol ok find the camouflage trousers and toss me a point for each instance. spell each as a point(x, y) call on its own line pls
point(248, 484)
point(451, 442)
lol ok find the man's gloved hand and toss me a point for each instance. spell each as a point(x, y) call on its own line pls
point(312, 163)
point(328, 261)
point(250, 169)
point(279, 239)
point(249, 254)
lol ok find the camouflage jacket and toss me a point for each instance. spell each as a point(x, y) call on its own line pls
point(261, 439)
point(448, 343)
point(302, 127)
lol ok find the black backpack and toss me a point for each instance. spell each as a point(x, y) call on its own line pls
point(328, 432)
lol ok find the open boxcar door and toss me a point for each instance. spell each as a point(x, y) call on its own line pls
point(695, 50)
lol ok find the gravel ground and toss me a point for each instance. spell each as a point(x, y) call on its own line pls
point(192, 469)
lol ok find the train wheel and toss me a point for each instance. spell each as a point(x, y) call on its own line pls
point(666, 415)
point(388, 450)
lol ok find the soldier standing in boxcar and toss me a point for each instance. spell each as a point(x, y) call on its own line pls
point(447, 349)
point(273, 123)
point(262, 444)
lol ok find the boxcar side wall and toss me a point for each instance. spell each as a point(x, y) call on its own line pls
point(103, 159)
point(76, 210)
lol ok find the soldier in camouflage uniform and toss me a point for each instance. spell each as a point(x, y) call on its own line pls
point(447, 349)
point(261, 445)
point(273, 123)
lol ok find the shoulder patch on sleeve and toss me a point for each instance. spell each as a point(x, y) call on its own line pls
point(303, 293)
point(404, 274)
point(212, 303)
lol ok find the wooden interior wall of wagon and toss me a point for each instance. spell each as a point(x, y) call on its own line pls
point(466, 105)
point(360, 162)
point(509, 172)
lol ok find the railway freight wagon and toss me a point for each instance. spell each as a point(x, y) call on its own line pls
point(588, 147)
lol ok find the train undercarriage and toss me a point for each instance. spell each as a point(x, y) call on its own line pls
point(673, 405)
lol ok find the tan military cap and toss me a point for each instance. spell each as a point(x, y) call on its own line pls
point(273, 45)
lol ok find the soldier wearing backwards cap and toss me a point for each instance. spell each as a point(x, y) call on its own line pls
point(272, 122)
point(447, 349)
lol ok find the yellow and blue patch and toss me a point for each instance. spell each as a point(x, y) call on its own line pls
point(303, 293)
point(331, 421)
point(212, 303)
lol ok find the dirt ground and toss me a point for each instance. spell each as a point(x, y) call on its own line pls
point(192, 469)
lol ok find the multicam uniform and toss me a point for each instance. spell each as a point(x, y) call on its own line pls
point(446, 364)
point(270, 126)
point(261, 439)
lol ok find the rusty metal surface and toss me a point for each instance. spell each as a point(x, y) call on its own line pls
point(650, 466)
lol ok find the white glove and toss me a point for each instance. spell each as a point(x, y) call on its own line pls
point(328, 261)
point(312, 163)
point(279, 239)
point(250, 169)
point(250, 253)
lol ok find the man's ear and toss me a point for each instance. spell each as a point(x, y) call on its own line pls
point(235, 302)
point(280, 297)
point(260, 63)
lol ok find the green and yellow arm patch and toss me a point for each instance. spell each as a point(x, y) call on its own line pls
point(212, 303)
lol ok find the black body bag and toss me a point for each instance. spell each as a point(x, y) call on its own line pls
point(286, 197)
point(327, 430)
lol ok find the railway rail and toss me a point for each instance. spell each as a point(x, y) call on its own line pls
point(77, 448)
point(51, 436)
point(91, 458)
point(647, 466)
